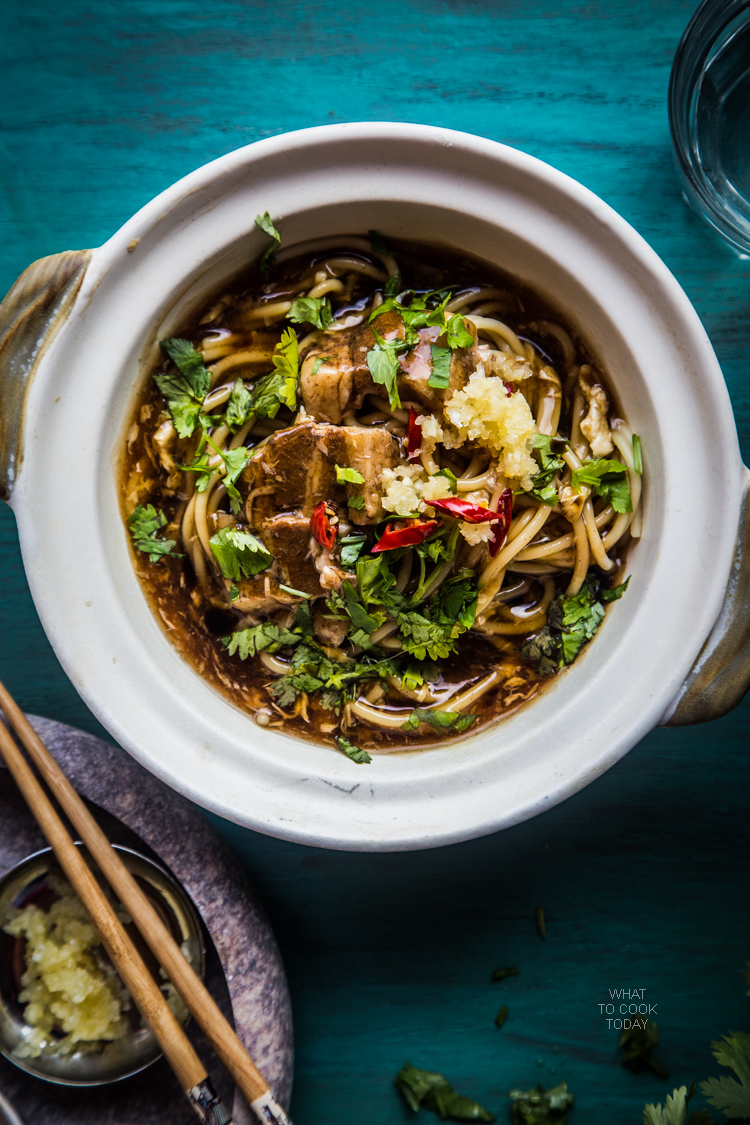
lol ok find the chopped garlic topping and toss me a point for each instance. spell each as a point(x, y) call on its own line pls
point(406, 488)
point(509, 367)
point(484, 412)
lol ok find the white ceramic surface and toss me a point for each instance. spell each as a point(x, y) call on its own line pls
point(413, 182)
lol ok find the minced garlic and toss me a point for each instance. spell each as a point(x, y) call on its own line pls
point(484, 412)
point(65, 985)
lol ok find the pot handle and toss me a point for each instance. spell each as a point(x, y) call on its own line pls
point(720, 675)
point(30, 317)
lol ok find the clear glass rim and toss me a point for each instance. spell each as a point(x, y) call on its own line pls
point(699, 38)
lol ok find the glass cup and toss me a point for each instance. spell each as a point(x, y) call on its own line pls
point(709, 117)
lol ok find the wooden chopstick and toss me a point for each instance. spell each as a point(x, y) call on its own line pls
point(135, 976)
point(190, 987)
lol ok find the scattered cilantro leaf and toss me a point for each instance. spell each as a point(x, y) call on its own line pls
point(186, 388)
point(351, 548)
point(540, 1106)
point(145, 525)
point(384, 367)
point(725, 1094)
point(451, 478)
point(247, 642)
point(239, 554)
point(441, 368)
point(549, 466)
point(353, 753)
point(607, 479)
point(504, 973)
point(279, 388)
point(637, 455)
point(234, 592)
point(293, 592)
point(319, 363)
point(265, 223)
point(238, 406)
point(613, 593)
point(311, 310)
point(378, 243)
point(502, 1016)
point(675, 1109)
point(426, 1089)
point(357, 502)
point(457, 334)
point(348, 476)
point(636, 1044)
point(441, 721)
point(392, 285)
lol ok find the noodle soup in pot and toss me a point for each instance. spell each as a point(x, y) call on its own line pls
point(379, 494)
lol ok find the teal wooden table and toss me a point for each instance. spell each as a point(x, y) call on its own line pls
point(644, 875)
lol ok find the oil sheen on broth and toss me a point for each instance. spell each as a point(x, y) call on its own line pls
point(379, 494)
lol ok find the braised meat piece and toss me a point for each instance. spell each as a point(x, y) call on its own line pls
point(343, 379)
point(297, 468)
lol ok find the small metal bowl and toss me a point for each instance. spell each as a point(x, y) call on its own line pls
point(137, 1049)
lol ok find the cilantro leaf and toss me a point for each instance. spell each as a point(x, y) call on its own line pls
point(571, 621)
point(503, 974)
point(265, 223)
point(351, 548)
point(458, 336)
point(540, 1106)
point(348, 476)
point(247, 642)
point(550, 465)
point(384, 367)
point(441, 368)
point(311, 310)
point(675, 1110)
point(441, 721)
point(239, 554)
point(279, 388)
point(353, 753)
point(613, 593)
point(451, 478)
point(319, 363)
point(428, 1089)
point(358, 615)
point(238, 406)
point(185, 389)
point(637, 455)
point(607, 479)
point(357, 502)
point(636, 1044)
point(378, 243)
point(392, 284)
point(145, 525)
point(725, 1094)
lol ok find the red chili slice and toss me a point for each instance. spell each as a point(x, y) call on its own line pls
point(463, 510)
point(408, 536)
point(413, 436)
point(500, 530)
point(321, 527)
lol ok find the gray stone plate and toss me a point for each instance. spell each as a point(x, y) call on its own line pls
point(243, 966)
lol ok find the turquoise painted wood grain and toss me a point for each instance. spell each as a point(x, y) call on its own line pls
point(644, 875)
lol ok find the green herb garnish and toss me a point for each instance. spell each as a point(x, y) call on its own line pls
point(357, 502)
point(238, 406)
point(265, 223)
point(384, 368)
point(246, 643)
point(186, 388)
point(441, 368)
point(503, 974)
point(239, 554)
point(319, 363)
point(607, 479)
point(279, 388)
point(637, 455)
point(458, 336)
point(351, 548)
point(145, 525)
point(427, 1089)
point(540, 1106)
point(353, 753)
point(441, 721)
point(311, 310)
point(725, 1094)
point(348, 476)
